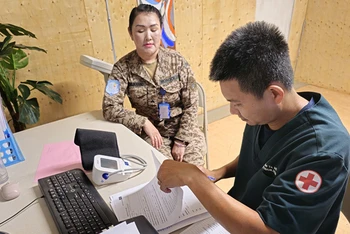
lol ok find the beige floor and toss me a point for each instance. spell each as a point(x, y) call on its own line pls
point(225, 137)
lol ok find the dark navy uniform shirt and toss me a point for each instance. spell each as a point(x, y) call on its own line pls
point(296, 181)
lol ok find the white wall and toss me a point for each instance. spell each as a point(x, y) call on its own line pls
point(278, 12)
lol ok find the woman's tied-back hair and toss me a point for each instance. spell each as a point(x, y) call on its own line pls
point(255, 55)
point(143, 8)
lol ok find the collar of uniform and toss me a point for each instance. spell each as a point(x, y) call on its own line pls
point(136, 64)
point(161, 54)
point(136, 67)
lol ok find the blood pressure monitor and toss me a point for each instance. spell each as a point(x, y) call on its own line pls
point(109, 169)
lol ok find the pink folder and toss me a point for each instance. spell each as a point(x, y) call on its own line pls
point(58, 157)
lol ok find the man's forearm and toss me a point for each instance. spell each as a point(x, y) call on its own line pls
point(230, 213)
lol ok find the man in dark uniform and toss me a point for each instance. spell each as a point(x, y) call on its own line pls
point(293, 167)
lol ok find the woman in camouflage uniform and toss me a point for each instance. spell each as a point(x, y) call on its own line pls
point(161, 88)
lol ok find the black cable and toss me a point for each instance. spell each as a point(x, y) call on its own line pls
point(5, 221)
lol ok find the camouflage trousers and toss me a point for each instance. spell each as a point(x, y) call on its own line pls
point(194, 152)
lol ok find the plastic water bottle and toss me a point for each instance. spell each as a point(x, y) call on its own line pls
point(3, 172)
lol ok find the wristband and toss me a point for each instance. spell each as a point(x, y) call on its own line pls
point(179, 144)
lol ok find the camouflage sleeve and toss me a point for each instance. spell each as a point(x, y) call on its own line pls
point(113, 101)
point(189, 95)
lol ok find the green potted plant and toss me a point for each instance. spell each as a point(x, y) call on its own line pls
point(17, 98)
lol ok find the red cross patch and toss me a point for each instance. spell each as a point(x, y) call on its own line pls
point(308, 181)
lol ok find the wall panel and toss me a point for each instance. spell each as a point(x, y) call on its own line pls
point(189, 37)
point(324, 57)
point(220, 18)
point(296, 29)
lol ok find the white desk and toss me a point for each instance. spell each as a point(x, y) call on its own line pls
point(37, 219)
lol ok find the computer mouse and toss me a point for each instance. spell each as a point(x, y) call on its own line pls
point(10, 191)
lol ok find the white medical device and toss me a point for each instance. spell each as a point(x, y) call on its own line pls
point(109, 169)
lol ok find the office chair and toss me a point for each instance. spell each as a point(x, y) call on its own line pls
point(106, 69)
point(346, 202)
point(203, 121)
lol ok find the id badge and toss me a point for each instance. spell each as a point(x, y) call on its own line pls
point(164, 110)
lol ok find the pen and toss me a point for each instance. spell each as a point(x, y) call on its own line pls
point(211, 178)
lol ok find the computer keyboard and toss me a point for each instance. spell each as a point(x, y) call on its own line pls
point(75, 204)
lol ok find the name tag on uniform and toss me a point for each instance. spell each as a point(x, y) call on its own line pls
point(164, 110)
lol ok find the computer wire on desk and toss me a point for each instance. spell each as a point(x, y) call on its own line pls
point(75, 204)
point(13, 216)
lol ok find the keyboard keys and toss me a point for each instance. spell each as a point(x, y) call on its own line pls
point(75, 203)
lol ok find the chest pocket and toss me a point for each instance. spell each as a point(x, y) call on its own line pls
point(137, 93)
point(172, 87)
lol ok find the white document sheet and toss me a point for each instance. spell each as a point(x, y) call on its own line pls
point(165, 211)
point(159, 208)
point(206, 226)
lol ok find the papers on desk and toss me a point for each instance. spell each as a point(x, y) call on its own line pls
point(167, 212)
point(123, 228)
point(206, 226)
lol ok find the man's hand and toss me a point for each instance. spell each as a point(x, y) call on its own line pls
point(178, 151)
point(175, 174)
point(153, 133)
point(212, 175)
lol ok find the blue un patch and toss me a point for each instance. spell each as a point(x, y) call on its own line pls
point(112, 87)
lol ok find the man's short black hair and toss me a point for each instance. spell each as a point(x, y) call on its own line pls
point(255, 55)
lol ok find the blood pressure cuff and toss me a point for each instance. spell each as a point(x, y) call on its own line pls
point(93, 142)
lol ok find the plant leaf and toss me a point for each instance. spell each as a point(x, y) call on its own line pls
point(45, 82)
point(25, 91)
point(20, 46)
point(6, 48)
point(8, 29)
point(20, 58)
point(42, 87)
point(5, 42)
point(30, 82)
point(16, 60)
point(5, 81)
point(6, 52)
point(29, 112)
point(14, 99)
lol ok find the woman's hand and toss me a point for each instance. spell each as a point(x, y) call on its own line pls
point(178, 151)
point(153, 133)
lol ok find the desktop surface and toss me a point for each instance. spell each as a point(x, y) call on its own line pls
point(37, 218)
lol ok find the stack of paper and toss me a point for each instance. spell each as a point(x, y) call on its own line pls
point(167, 212)
point(123, 228)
